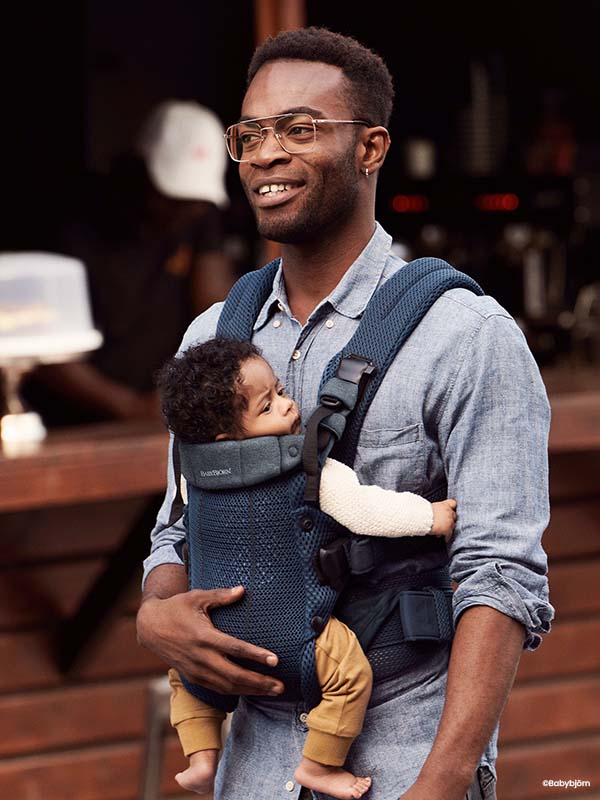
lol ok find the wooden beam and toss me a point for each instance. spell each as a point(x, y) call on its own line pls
point(95, 462)
point(575, 422)
point(273, 16)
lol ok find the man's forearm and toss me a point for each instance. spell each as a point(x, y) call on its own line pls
point(165, 581)
point(483, 663)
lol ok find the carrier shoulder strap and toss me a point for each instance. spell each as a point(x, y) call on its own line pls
point(245, 300)
point(389, 319)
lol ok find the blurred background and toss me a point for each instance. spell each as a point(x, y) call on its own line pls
point(494, 166)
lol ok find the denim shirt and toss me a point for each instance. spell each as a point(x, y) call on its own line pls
point(462, 403)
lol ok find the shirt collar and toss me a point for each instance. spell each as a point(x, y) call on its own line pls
point(352, 294)
point(277, 300)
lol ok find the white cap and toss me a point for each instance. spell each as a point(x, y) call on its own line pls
point(184, 150)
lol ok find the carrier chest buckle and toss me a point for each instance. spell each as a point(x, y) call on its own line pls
point(356, 369)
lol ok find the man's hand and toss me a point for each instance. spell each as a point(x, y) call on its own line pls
point(179, 630)
point(421, 790)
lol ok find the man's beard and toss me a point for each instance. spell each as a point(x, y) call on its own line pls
point(321, 211)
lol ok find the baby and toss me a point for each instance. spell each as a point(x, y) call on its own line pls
point(224, 389)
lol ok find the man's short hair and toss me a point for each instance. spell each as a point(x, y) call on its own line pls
point(371, 87)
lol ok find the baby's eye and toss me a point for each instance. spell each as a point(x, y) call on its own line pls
point(267, 408)
point(281, 391)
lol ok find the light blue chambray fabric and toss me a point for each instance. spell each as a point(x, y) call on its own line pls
point(463, 401)
point(265, 743)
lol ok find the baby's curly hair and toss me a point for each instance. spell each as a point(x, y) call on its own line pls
point(200, 390)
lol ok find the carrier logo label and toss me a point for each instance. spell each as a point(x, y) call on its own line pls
point(215, 473)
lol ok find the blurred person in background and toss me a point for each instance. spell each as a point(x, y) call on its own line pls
point(151, 235)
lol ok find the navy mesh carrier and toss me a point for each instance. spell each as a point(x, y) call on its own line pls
point(269, 536)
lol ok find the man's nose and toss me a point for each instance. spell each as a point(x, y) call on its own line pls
point(269, 150)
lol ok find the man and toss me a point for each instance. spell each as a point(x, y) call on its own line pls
point(463, 402)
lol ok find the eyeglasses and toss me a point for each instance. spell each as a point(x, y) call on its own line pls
point(295, 133)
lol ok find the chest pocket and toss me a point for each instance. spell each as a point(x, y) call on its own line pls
point(392, 458)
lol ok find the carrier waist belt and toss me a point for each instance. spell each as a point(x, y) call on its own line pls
point(362, 556)
point(401, 620)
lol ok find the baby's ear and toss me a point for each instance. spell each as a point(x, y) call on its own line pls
point(220, 437)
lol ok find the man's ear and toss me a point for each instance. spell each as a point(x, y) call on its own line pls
point(376, 142)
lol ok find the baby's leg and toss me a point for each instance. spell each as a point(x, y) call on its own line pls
point(345, 677)
point(334, 781)
point(198, 726)
point(199, 777)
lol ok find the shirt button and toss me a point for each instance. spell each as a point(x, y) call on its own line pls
point(279, 306)
point(303, 717)
point(296, 355)
point(306, 524)
point(277, 323)
point(330, 323)
point(289, 786)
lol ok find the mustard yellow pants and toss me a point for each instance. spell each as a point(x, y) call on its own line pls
point(345, 678)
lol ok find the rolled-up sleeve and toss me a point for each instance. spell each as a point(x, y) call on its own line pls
point(169, 528)
point(493, 436)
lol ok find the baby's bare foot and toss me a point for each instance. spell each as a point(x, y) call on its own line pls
point(334, 781)
point(199, 777)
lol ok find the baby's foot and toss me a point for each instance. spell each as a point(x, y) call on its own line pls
point(334, 781)
point(200, 775)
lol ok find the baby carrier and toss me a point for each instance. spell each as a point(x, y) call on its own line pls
point(253, 515)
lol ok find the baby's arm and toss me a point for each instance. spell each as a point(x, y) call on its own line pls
point(373, 511)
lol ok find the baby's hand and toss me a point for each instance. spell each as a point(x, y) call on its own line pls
point(444, 518)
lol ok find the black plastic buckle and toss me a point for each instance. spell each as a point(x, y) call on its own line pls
point(362, 555)
point(356, 369)
point(353, 367)
point(331, 564)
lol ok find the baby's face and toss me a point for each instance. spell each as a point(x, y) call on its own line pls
point(270, 411)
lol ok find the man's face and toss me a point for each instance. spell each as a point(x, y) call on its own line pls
point(322, 185)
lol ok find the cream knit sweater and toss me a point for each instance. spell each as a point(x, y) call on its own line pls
point(371, 510)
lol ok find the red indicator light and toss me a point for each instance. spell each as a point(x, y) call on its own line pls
point(410, 203)
point(510, 202)
point(497, 202)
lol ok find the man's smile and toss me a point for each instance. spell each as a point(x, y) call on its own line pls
point(274, 187)
point(269, 192)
